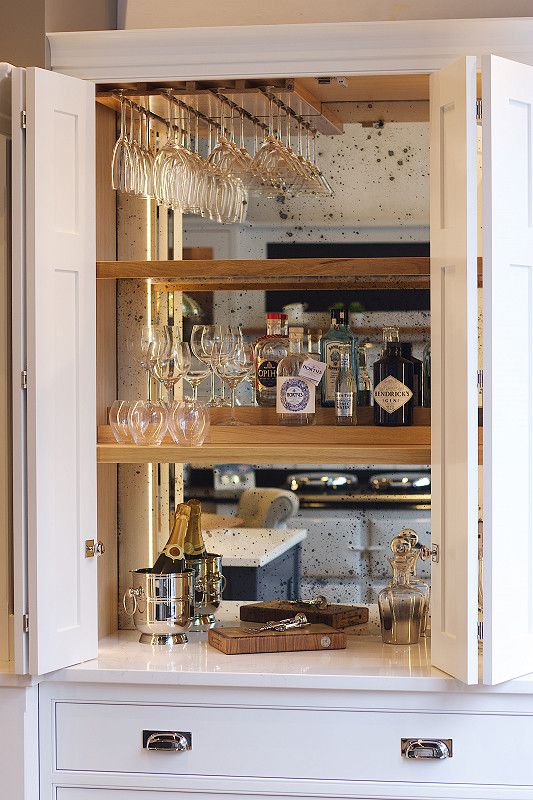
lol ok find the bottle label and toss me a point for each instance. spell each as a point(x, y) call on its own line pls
point(173, 551)
point(391, 394)
point(312, 370)
point(266, 373)
point(344, 404)
point(333, 362)
point(295, 396)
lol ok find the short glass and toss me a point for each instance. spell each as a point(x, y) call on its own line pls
point(118, 420)
point(189, 423)
point(148, 421)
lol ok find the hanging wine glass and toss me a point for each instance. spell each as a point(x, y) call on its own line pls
point(121, 162)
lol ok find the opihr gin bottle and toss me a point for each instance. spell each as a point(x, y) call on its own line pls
point(295, 396)
point(393, 383)
point(268, 352)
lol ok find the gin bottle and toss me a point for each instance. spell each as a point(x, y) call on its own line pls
point(345, 391)
point(268, 352)
point(364, 391)
point(407, 352)
point(339, 334)
point(295, 400)
point(426, 376)
point(393, 383)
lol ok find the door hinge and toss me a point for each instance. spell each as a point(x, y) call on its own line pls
point(25, 623)
point(23, 120)
point(435, 553)
point(24, 379)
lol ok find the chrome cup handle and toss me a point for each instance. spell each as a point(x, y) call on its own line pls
point(133, 594)
point(129, 594)
point(223, 582)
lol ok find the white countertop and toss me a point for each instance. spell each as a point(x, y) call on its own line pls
point(366, 664)
point(251, 547)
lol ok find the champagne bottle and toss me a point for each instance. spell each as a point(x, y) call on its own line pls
point(194, 541)
point(172, 556)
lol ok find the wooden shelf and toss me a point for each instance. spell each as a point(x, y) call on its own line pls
point(263, 441)
point(271, 444)
point(276, 273)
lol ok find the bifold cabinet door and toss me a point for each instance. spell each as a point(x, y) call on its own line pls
point(508, 369)
point(454, 435)
point(60, 333)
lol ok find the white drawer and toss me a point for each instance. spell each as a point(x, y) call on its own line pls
point(286, 743)
point(67, 793)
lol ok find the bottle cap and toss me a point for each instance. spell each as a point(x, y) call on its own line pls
point(296, 331)
point(338, 314)
point(275, 315)
point(391, 334)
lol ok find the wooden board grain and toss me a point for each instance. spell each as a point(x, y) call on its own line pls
point(238, 641)
point(335, 615)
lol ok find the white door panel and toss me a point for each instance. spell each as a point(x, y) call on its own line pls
point(60, 234)
point(453, 220)
point(508, 369)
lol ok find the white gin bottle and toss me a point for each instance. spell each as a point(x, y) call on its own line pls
point(345, 390)
point(295, 396)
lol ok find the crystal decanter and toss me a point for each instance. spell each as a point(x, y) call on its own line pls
point(401, 604)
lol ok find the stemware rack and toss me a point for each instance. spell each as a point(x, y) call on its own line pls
point(207, 101)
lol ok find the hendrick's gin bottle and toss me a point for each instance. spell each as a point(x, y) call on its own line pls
point(393, 383)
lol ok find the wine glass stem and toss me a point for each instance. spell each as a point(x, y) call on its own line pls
point(213, 386)
point(233, 390)
point(170, 393)
point(195, 393)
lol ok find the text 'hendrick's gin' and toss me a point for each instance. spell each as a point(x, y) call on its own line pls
point(393, 383)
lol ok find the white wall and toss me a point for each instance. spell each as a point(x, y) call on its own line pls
point(189, 13)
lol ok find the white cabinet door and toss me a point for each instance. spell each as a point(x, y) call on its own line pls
point(12, 103)
point(60, 343)
point(454, 445)
point(508, 369)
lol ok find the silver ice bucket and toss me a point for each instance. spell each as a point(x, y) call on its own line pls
point(209, 584)
point(162, 606)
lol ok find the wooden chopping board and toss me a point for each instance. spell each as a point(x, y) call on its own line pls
point(336, 615)
point(235, 641)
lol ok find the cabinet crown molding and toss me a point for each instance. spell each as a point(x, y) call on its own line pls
point(285, 50)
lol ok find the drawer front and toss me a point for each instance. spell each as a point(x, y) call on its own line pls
point(63, 793)
point(286, 743)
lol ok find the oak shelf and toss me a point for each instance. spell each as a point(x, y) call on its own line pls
point(273, 444)
point(263, 441)
point(276, 273)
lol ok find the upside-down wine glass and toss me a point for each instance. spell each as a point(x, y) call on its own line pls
point(121, 163)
